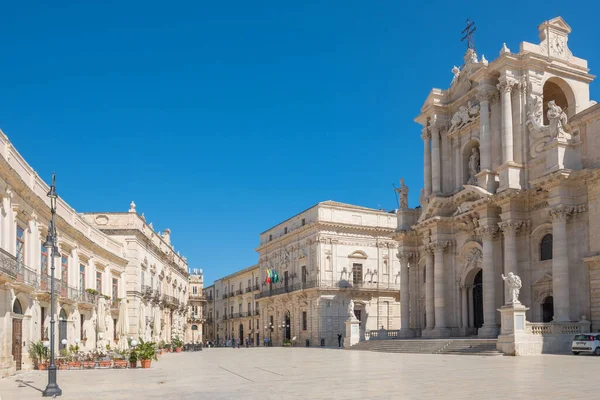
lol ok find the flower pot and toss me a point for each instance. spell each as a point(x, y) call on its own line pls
point(146, 363)
point(132, 364)
point(104, 364)
point(120, 364)
point(74, 364)
point(160, 351)
point(42, 366)
point(178, 349)
point(62, 366)
point(89, 364)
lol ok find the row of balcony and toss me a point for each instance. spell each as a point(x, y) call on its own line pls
point(240, 315)
point(327, 284)
point(239, 292)
point(29, 280)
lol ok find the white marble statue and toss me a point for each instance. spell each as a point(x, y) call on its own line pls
point(513, 282)
point(351, 309)
point(456, 72)
point(556, 113)
point(474, 165)
point(402, 195)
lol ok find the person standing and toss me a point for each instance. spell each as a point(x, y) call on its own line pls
point(339, 340)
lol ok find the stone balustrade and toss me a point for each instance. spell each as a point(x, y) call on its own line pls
point(382, 334)
point(557, 328)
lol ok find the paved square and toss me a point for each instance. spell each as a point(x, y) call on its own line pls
point(300, 373)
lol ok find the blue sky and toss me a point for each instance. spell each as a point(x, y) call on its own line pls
point(221, 119)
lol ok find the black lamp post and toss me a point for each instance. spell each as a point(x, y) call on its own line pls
point(270, 328)
point(52, 389)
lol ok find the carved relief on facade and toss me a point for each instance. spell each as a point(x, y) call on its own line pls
point(463, 116)
point(540, 134)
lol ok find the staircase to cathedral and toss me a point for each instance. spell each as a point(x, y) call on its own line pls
point(461, 346)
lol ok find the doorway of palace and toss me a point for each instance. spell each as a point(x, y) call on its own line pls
point(548, 309)
point(241, 333)
point(17, 335)
point(478, 300)
point(62, 328)
point(288, 326)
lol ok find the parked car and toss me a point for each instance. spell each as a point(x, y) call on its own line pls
point(586, 343)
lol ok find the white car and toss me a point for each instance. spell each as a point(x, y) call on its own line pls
point(586, 343)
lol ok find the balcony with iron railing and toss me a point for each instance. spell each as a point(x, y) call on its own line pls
point(248, 289)
point(69, 293)
point(231, 294)
point(239, 292)
point(87, 297)
point(46, 284)
point(282, 288)
point(225, 295)
point(256, 287)
point(8, 266)
point(257, 312)
point(209, 320)
point(26, 276)
point(114, 304)
point(225, 318)
point(197, 296)
point(209, 298)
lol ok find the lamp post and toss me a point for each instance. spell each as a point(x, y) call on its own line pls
point(270, 328)
point(52, 389)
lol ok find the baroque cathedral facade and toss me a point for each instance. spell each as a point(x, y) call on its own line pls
point(511, 184)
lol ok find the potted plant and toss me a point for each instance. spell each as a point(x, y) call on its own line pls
point(38, 354)
point(161, 347)
point(120, 361)
point(133, 358)
point(103, 359)
point(88, 361)
point(177, 344)
point(146, 352)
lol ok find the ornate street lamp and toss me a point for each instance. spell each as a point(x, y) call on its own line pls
point(52, 389)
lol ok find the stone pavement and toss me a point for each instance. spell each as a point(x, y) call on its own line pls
point(315, 373)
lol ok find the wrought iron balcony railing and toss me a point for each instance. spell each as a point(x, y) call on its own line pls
point(27, 276)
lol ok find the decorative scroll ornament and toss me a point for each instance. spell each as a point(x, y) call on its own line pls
point(463, 116)
point(542, 134)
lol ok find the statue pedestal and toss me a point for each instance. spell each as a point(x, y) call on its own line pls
point(486, 179)
point(513, 337)
point(510, 176)
point(352, 332)
point(561, 155)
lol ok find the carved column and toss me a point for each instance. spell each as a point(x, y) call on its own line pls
point(509, 229)
point(484, 121)
point(505, 87)
point(429, 287)
point(464, 306)
point(489, 329)
point(439, 248)
point(560, 262)
point(426, 136)
point(404, 290)
point(436, 175)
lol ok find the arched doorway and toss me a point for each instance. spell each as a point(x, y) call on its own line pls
point(288, 326)
point(17, 334)
point(62, 328)
point(241, 333)
point(478, 300)
point(548, 309)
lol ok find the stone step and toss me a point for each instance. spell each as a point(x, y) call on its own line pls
point(483, 347)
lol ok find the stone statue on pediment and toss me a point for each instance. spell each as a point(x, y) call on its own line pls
point(456, 73)
point(402, 195)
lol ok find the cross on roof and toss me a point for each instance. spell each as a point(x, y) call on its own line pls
point(468, 31)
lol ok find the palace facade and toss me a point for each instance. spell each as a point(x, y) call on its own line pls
point(111, 267)
point(511, 166)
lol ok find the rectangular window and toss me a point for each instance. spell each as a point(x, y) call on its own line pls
point(285, 279)
point(285, 230)
point(20, 245)
point(304, 321)
point(64, 269)
point(240, 308)
point(115, 289)
point(249, 283)
point(99, 282)
point(249, 308)
point(270, 237)
point(303, 221)
point(44, 260)
point(194, 289)
point(303, 277)
point(81, 278)
point(357, 274)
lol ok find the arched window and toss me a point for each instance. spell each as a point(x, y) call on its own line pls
point(17, 309)
point(546, 248)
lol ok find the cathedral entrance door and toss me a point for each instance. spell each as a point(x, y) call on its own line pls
point(478, 300)
point(548, 309)
point(241, 333)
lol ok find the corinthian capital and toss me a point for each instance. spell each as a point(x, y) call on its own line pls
point(487, 232)
point(512, 227)
point(506, 85)
point(439, 246)
point(560, 213)
point(426, 135)
point(406, 256)
point(485, 95)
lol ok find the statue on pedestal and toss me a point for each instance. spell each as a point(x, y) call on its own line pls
point(402, 195)
point(513, 282)
point(351, 309)
point(474, 165)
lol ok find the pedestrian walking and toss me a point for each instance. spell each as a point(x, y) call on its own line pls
point(339, 340)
